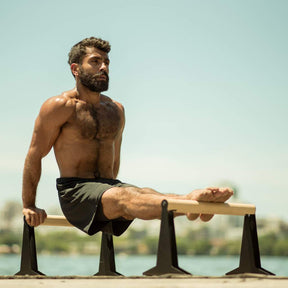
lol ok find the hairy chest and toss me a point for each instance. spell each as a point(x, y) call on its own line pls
point(103, 122)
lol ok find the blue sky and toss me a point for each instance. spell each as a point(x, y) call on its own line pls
point(204, 85)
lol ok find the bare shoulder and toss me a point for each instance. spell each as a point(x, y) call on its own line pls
point(61, 104)
point(110, 100)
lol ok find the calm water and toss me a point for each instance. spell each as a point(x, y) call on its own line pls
point(53, 265)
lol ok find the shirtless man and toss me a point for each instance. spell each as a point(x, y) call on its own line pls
point(85, 127)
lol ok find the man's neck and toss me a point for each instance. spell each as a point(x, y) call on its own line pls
point(87, 95)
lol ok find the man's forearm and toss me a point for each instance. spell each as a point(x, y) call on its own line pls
point(31, 177)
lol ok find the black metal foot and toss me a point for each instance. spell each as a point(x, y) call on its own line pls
point(107, 257)
point(167, 258)
point(160, 270)
point(250, 256)
point(29, 264)
point(29, 272)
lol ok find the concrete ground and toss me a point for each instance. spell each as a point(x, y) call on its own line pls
point(245, 280)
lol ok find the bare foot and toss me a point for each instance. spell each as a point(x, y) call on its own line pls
point(210, 194)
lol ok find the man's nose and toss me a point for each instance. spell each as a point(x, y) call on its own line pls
point(104, 67)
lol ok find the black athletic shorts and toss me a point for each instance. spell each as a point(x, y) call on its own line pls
point(80, 201)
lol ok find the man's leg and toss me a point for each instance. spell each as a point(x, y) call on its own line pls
point(145, 203)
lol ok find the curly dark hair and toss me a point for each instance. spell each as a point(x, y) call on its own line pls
point(78, 51)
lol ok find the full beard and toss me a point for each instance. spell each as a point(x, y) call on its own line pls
point(90, 81)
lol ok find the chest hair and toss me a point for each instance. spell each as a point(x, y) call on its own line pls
point(98, 123)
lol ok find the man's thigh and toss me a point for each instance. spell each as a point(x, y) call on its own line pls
point(115, 199)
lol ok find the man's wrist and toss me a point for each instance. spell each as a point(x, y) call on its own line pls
point(29, 206)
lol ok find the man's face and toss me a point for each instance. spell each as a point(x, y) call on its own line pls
point(93, 72)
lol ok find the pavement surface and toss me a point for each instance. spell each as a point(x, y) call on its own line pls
point(244, 280)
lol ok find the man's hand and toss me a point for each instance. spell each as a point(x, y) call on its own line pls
point(34, 216)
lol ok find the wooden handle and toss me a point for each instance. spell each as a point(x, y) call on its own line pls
point(180, 206)
point(191, 206)
point(55, 220)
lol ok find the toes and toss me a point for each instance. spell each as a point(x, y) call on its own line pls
point(212, 194)
point(192, 216)
point(206, 195)
point(206, 217)
point(213, 189)
point(227, 190)
point(221, 194)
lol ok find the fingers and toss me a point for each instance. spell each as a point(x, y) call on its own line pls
point(34, 216)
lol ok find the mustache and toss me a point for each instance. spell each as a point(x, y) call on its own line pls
point(101, 74)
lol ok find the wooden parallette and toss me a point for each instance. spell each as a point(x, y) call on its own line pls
point(191, 206)
point(29, 265)
point(56, 220)
point(167, 258)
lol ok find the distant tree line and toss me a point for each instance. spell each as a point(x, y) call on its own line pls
point(71, 241)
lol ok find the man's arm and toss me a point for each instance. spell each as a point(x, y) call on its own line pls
point(53, 114)
point(118, 142)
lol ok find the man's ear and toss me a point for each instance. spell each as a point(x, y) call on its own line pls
point(74, 69)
